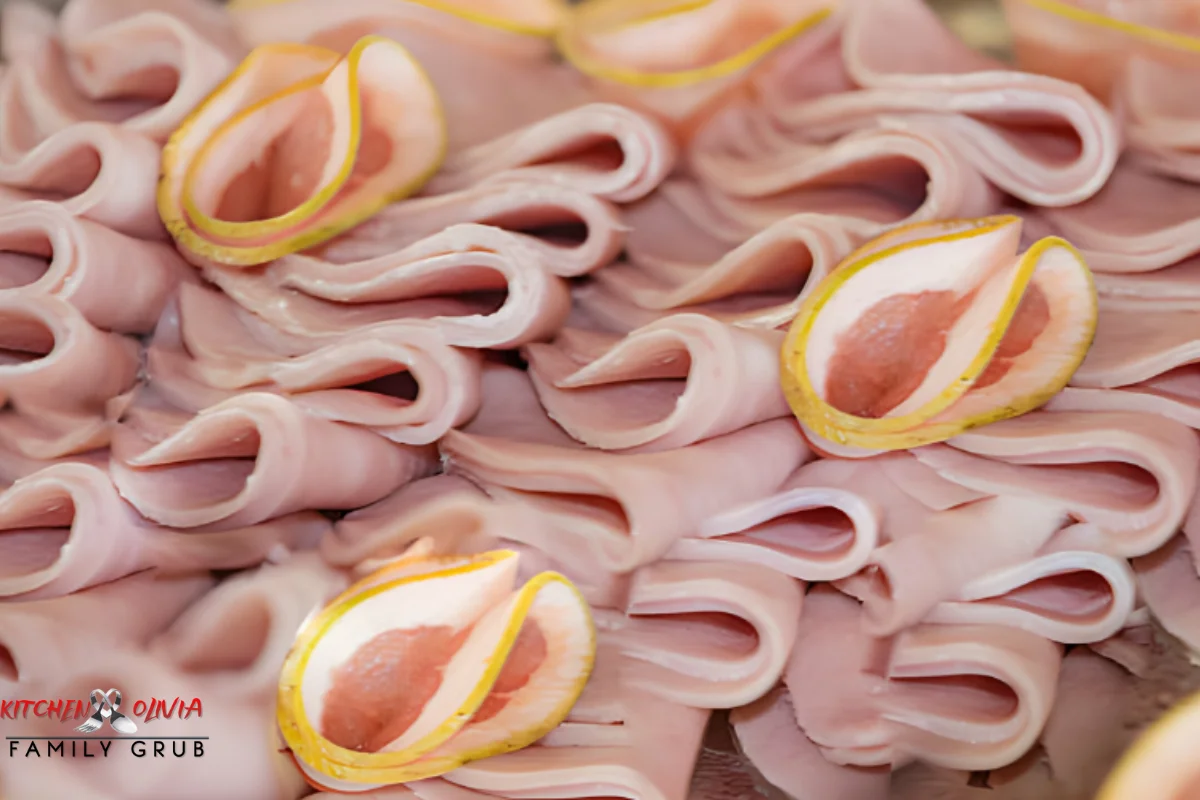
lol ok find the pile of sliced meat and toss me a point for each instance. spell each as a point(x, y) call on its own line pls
point(263, 330)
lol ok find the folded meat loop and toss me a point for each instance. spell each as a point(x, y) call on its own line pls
point(679, 59)
point(251, 458)
point(430, 663)
point(706, 634)
point(296, 146)
point(965, 697)
point(672, 383)
point(65, 528)
point(937, 328)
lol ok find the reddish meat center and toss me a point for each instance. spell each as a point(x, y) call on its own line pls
point(527, 654)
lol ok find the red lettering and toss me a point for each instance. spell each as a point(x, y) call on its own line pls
point(155, 708)
point(65, 712)
point(140, 704)
point(194, 707)
point(25, 706)
point(38, 705)
point(81, 707)
point(53, 708)
point(168, 712)
point(8, 709)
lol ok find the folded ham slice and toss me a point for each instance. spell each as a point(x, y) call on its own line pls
point(611, 507)
point(1158, 118)
point(66, 528)
point(549, 215)
point(817, 526)
point(1168, 582)
point(958, 696)
point(1132, 476)
point(251, 458)
point(603, 149)
point(1143, 359)
point(687, 377)
point(83, 68)
point(42, 641)
point(1043, 140)
point(249, 177)
point(480, 286)
point(768, 736)
point(706, 634)
point(404, 383)
point(119, 283)
point(989, 335)
point(95, 170)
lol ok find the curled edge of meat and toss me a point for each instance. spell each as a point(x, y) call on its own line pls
point(475, 598)
point(977, 374)
point(388, 137)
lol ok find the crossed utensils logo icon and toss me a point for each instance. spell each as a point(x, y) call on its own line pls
point(104, 707)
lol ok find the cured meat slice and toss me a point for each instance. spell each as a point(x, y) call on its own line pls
point(1169, 584)
point(768, 736)
point(548, 214)
point(42, 640)
point(817, 526)
point(603, 149)
point(610, 506)
point(251, 458)
point(480, 286)
point(65, 528)
point(241, 632)
point(1143, 359)
point(249, 176)
point(83, 68)
point(1043, 140)
point(964, 697)
point(1137, 223)
point(95, 170)
point(57, 373)
point(1159, 761)
point(1131, 476)
point(1157, 118)
point(706, 634)
point(672, 383)
point(503, 667)
point(874, 177)
point(404, 384)
point(118, 283)
point(988, 334)
point(679, 60)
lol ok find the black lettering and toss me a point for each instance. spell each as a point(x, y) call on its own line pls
point(32, 749)
point(198, 749)
point(52, 747)
point(12, 747)
point(182, 749)
point(86, 752)
point(158, 750)
point(104, 745)
point(138, 748)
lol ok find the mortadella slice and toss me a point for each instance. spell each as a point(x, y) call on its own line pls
point(672, 383)
point(251, 458)
point(65, 528)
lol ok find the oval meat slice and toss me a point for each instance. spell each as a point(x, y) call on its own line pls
point(936, 328)
point(430, 663)
point(296, 146)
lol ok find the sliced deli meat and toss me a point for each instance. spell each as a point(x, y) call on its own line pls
point(988, 334)
point(248, 177)
point(501, 666)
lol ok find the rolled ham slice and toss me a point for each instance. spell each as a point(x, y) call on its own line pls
point(549, 215)
point(251, 458)
point(610, 506)
point(405, 384)
point(94, 170)
point(989, 335)
point(119, 283)
point(769, 738)
point(141, 64)
point(706, 634)
point(1134, 489)
point(43, 640)
point(688, 377)
point(901, 62)
point(603, 149)
point(817, 526)
point(478, 285)
point(247, 178)
point(69, 529)
point(1158, 119)
point(959, 696)
point(1143, 359)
